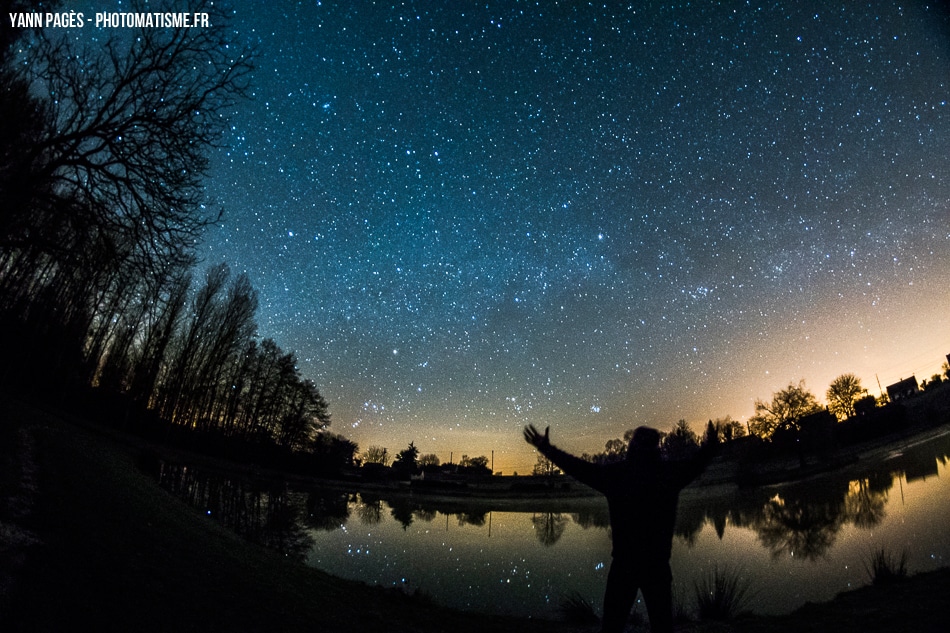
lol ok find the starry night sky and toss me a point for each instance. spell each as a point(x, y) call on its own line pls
point(468, 217)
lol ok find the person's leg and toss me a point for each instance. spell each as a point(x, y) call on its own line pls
point(657, 588)
point(619, 597)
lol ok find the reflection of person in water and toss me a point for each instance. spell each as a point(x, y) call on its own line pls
point(642, 492)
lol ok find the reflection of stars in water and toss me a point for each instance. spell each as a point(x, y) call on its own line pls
point(476, 219)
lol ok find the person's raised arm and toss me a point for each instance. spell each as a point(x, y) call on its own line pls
point(579, 469)
point(533, 437)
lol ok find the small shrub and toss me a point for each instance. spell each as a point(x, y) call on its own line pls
point(885, 569)
point(722, 595)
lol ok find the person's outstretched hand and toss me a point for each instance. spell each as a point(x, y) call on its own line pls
point(533, 437)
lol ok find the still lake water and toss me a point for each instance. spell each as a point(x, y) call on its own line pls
point(793, 543)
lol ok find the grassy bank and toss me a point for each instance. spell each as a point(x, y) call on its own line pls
point(87, 542)
point(915, 604)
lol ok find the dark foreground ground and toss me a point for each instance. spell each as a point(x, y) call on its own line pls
point(87, 542)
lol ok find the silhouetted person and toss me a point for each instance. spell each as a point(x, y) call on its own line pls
point(642, 492)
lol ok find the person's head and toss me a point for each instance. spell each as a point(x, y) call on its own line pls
point(644, 443)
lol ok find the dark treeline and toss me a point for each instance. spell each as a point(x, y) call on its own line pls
point(103, 153)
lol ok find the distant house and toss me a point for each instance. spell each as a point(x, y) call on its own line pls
point(903, 389)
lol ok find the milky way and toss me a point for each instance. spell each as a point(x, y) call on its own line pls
point(464, 218)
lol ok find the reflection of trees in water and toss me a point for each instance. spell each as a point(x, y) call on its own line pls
point(549, 527)
point(864, 505)
point(719, 523)
point(805, 520)
point(406, 510)
point(798, 528)
point(327, 510)
point(266, 515)
point(402, 511)
point(689, 522)
point(476, 518)
point(370, 509)
point(282, 530)
point(425, 514)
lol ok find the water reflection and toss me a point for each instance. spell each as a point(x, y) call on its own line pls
point(867, 499)
point(270, 516)
point(369, 510)
point(327, 510)
point(549, 527)
point(797, 542)
point(595, 517)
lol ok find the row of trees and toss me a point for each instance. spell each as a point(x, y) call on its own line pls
point(845, 397)
point(103, 152)
point(215, 376)
point(410, 461)
point(679, 441)
point(781, 414)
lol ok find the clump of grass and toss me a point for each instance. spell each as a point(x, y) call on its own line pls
point(885, 569)
point(723, 595)
point(576, 609)
point(682, 614)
